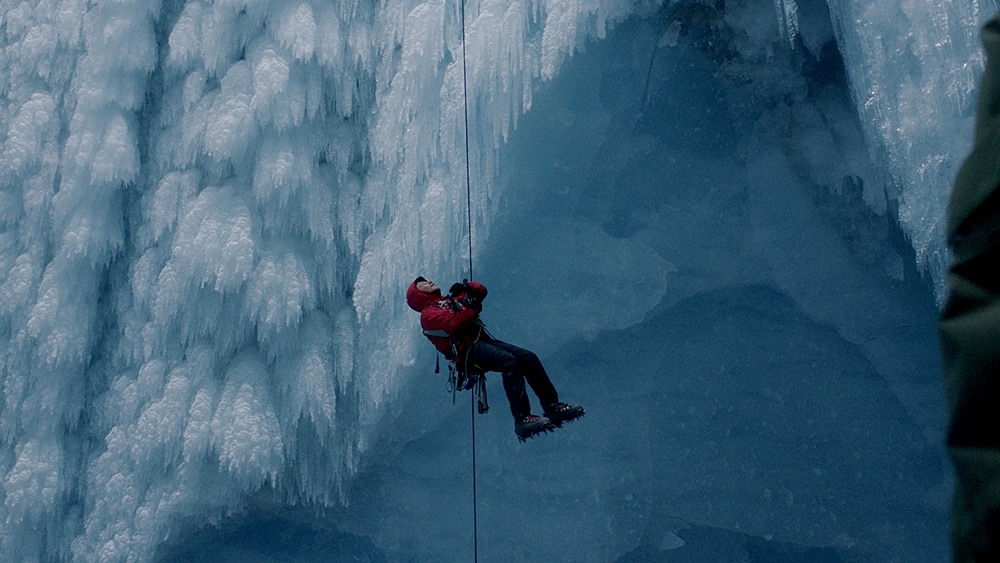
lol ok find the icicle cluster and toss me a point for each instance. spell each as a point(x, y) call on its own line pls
point(913, 68)
point(208, 212)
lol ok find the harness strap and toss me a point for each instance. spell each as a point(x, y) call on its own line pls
point(480, 383)
point(437, 333)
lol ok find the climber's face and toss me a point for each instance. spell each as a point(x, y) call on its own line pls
point(428, 286)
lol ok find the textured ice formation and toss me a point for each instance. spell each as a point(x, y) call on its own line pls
point(208, 209)
point(913, 68)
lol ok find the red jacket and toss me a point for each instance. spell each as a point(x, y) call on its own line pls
point(445, 320)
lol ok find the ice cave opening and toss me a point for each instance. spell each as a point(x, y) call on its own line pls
point(718, 222)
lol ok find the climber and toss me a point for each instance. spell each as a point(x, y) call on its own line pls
point(452, 324)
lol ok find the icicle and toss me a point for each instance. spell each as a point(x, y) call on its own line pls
point(788, 19)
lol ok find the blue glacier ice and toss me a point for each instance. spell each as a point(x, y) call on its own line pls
point(719, 223)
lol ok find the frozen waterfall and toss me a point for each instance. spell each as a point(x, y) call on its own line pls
point(209, 209)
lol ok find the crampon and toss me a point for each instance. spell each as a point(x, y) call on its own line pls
point(561, 412)
point(531, 426)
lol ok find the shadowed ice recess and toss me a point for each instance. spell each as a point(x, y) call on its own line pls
point(719, 223)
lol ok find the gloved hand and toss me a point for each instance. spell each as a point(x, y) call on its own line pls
point(458, 288)
point(475, 289)
point(469, 294)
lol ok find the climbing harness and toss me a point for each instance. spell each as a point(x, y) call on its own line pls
point(475, 381)
point(464, 379)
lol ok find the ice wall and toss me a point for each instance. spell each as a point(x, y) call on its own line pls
point(208, 210)
point(913, 68)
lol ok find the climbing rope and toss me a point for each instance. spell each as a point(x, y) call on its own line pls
point(468, 200)
point(475, 524)
point(468, 175)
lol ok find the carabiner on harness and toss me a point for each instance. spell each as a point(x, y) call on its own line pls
point(461, 381)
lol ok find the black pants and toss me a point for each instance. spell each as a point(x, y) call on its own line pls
point(517, 366)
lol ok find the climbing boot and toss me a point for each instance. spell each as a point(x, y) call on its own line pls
point(529, 426)
point(558, 413)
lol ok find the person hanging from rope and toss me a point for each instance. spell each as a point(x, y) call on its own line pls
point(452, 324)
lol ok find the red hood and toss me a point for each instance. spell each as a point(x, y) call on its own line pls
point(419, 300)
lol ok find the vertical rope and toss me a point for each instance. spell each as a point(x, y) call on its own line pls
point(468, 200)
point(475, 523)
point(468, 175)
